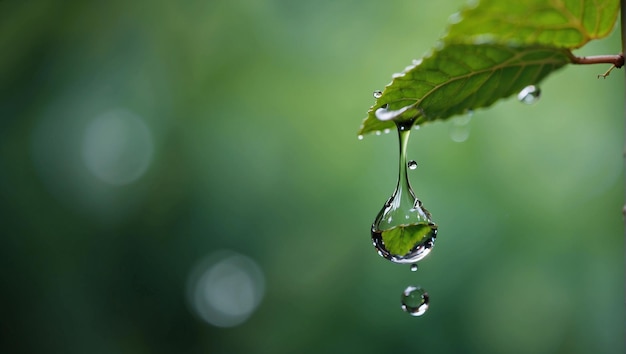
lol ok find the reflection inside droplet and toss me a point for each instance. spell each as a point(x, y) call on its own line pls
point(412, 164)
point(225, 288)
point(378, 94)
point(414, 300)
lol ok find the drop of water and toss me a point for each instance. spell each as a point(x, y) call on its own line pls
point(413, 267)
point(414, 300)
point(378, 94)
point(403, 231)
point(529, 94)
point(360, 137)
point(412, 164)
point(384, 113)
point(378, 132)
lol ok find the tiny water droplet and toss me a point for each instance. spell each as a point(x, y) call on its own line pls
point(417, 127)
point(412, 164)
point(378, 132)
point(414, 300)
point(413, 267)
point(378, 94)
point(360, 137)
point(529, 94)
point(387, 131)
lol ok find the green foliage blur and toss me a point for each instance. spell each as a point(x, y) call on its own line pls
point(235, 128)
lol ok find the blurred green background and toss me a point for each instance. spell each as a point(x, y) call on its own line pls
point(140, 141)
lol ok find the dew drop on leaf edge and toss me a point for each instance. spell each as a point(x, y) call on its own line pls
point(378, 94)
point(529, 94)
point(414, 300)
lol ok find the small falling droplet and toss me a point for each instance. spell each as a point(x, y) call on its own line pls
point(413, 267)
point(378, 94)
point(360, 137)
point(378, 132)
point(414, 301)
point(412, 164)
point(529, 94)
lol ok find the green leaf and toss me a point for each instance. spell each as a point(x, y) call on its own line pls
point(494, 49)
point(556, 23)
point(462, 77)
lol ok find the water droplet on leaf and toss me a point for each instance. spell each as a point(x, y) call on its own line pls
point(413, 267)
point(529, 94)
point(414, 300)
point(378, 94)
point(412, 164)
point(403, 231)
point(384, 113)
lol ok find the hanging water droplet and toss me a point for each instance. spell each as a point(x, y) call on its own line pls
point(529, 94)
point(403, 231)
point(378, 132)
point(412, 164)
point(413, 267)
point(360, 137)
point(414, 300)
point(378, 94)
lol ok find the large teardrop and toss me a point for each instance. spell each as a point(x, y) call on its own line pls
point(403, 231)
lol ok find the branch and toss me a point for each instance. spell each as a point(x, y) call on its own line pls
point(616, 60)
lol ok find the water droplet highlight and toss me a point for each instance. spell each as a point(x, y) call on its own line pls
point(412, 164)
point(413, 267)
point(378, 94)
point(529, 94)
point(414, 300)
point(403, 231)
point(384, 113)
point(360, 137)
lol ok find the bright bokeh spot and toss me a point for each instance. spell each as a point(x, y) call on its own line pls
point(225, 289)
point(117, 147)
